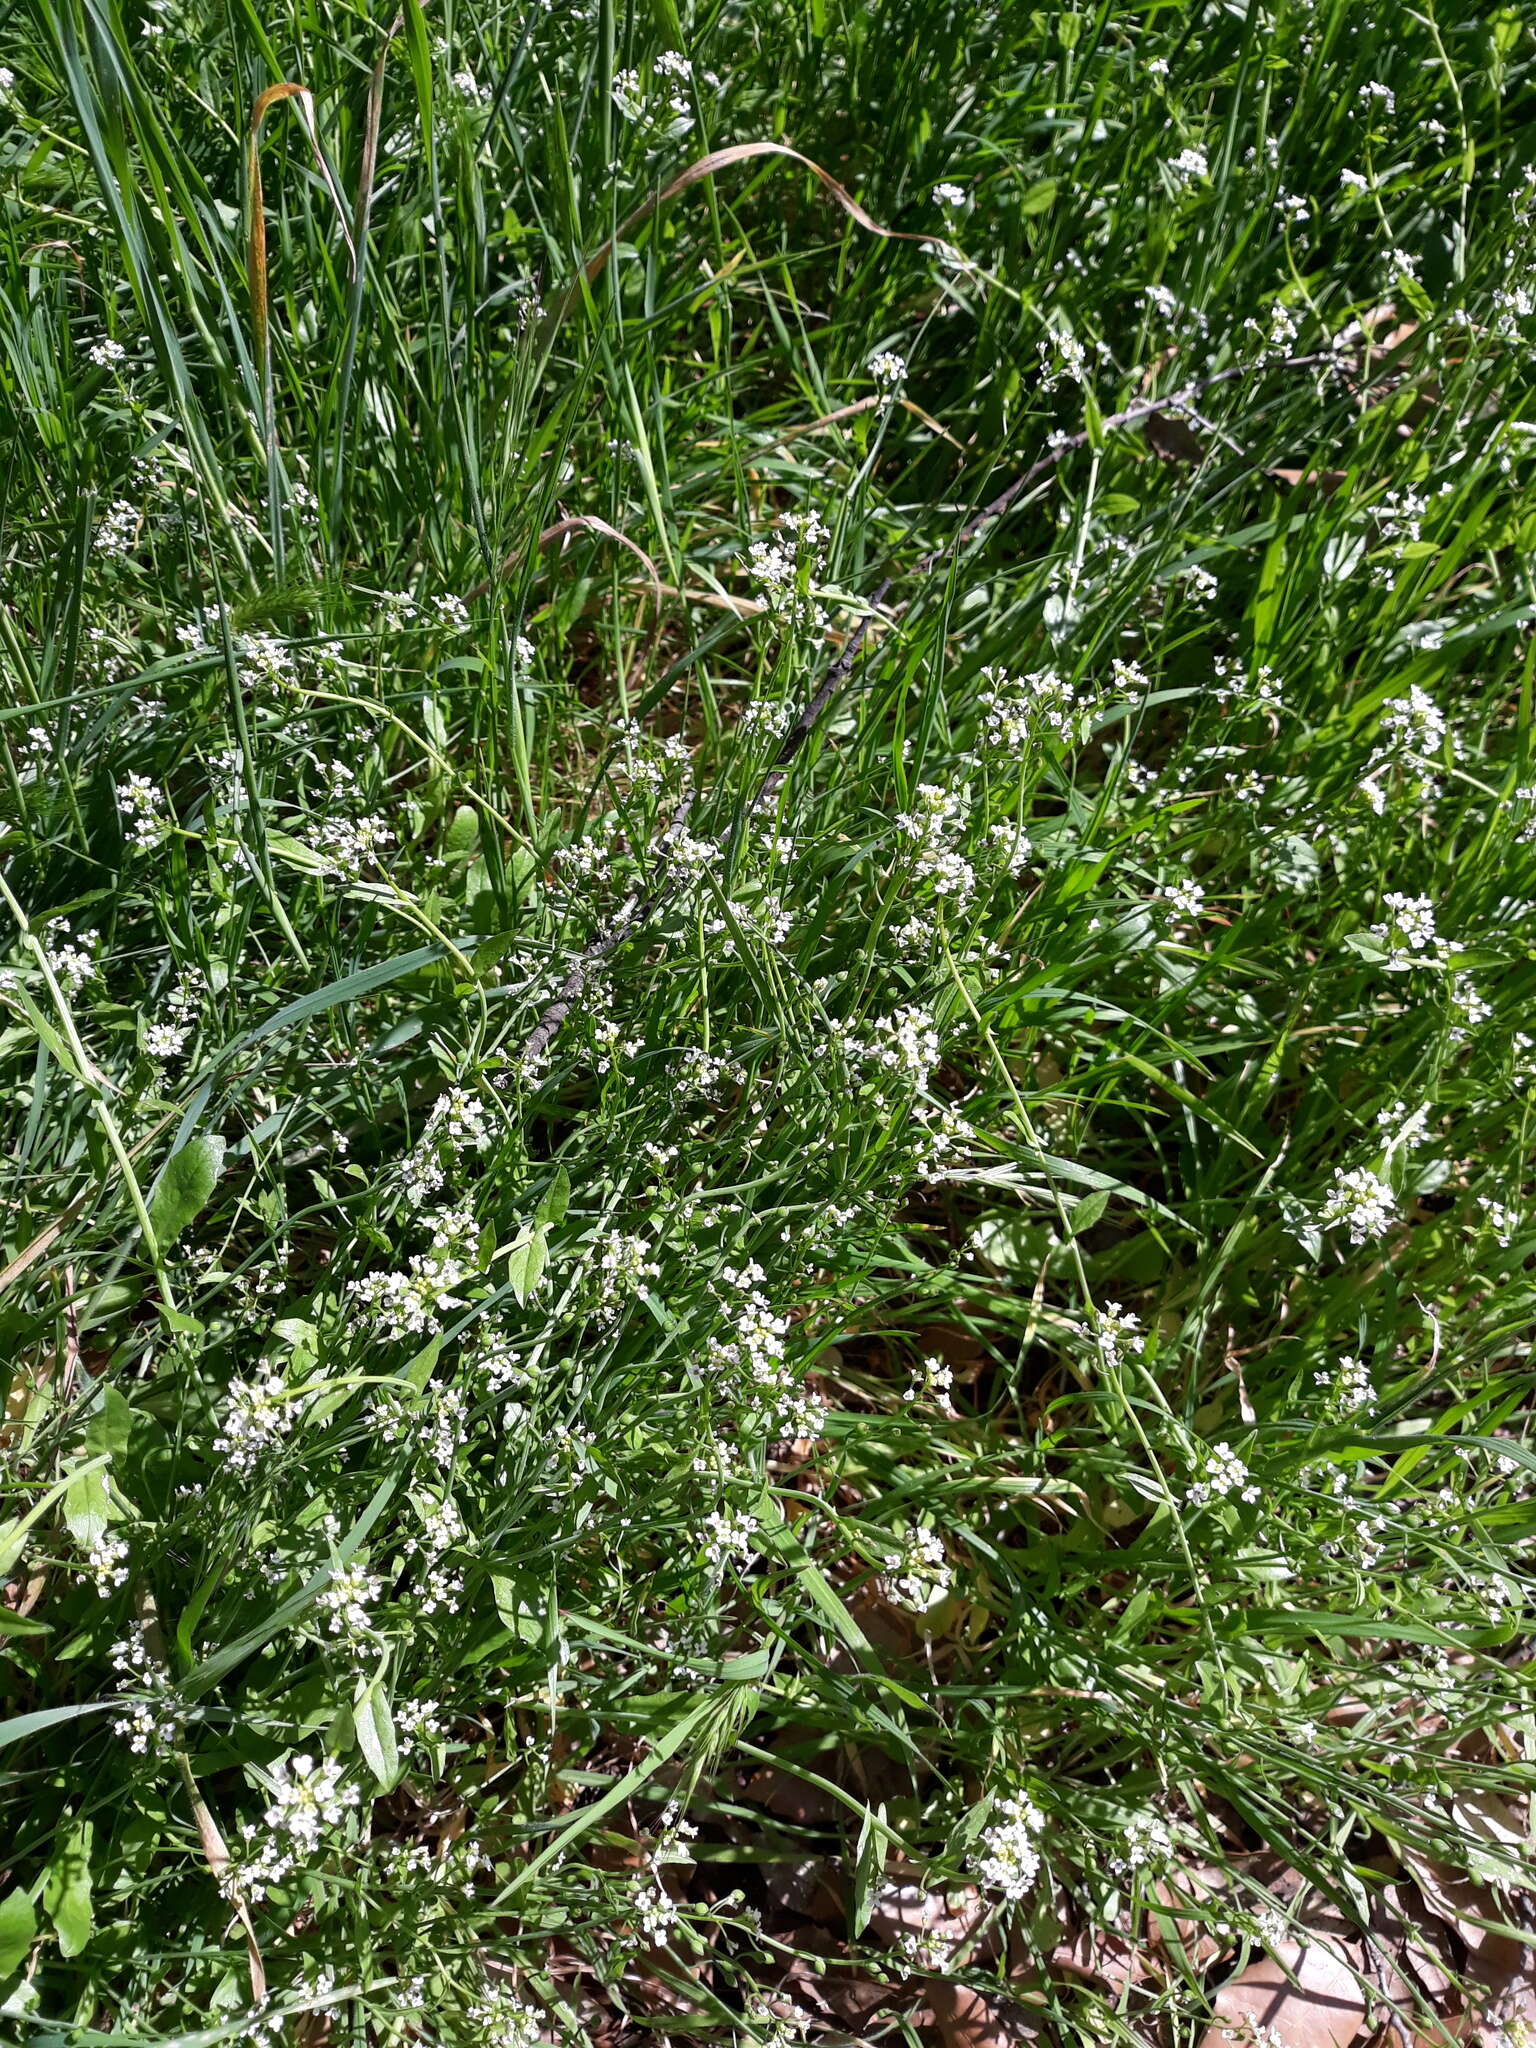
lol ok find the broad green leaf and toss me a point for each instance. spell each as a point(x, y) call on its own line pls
point(375, 1726)
point(18, 1930)
point(67, 1888)
point(88, 1506)
point(557, 1199)
point(111, 1422)
point(526, 1263)
point(185, 1187)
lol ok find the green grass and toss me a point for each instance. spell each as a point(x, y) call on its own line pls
point(517, 1094)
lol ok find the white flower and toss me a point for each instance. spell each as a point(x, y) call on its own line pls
point(106, 352)
point(347, 1600)
point(1118, 1332)
point(1221, 1472)
point(1408, 931)
point(949, 195)
point(106, 1562)
point(889, 372)
point(784, 568)
point(500, 2019)
point(1010, 1859)
point(116, 533)
point(1362, 1201)
point(728, 1534)
point(142, 807)
point(306, 1799)
point(1352, 181)
point(256, 1418)
point(1188, 166)
point(1349, 1383)
point(1185, 899)
point(919, 1576)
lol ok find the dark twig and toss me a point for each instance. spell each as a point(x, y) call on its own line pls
point(637, 912)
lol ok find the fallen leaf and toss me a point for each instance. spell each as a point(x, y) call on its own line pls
point(1325, 480)
point(964, 2018)
point(1168, 437)
point(1323, 2008)
point(1460, 1903)
point(940, 1923)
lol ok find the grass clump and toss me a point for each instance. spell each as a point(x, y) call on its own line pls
point(766, 1028)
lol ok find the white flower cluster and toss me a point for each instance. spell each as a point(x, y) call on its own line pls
point(784, 567)
point(142, 808)
point(350, 846)
point(1020, 710)
point(773, 1402)
point(625, 1263)
point(413, 1303)
point(458, 1123)
point(1146, 1842)
point(307, 1800)
point(106, 352)
point(498, 2018)
point(1414, 734)
point(434, 1420)
point(257, 1416)
point(1189, 167)
point(155, 1715)
point(447, 614)
point(934, 825)
point(668, 105)
point(166, 1037)
point(1184, 899)
point(69, 956)
point(919, 1575)
point(1118, 1332)
point(1010, 1858)
point(347, 1601)
point(889, 372)
point(906, 1044)
point(1362, 1201)
point(107, 1562)
point(117, 531)
point(1221, 1472)
point(1408, 931)
point(1503, 1219)
point(1349, 1384)
point(728, 1534)
point(442, 1530)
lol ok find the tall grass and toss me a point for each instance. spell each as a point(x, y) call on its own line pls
point(767, 1210)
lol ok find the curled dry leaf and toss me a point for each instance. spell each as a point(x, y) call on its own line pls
point(964, 2018)
point(1169, 437)
point(1314, 2001)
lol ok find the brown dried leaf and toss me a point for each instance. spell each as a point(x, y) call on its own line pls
point(1325, 480)
point(806, 1806)
point(942, 1922)
point(1323, 2008)
point(968, 2019)
point(1169, 437)
point(1460, 1903)
point(808, 1888)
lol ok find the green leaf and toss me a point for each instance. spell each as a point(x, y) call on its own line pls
point(185, 1187)
point(375, 1726)
point(557, 1199)
point(526, 1263)
point(1038, 197)
point(1088, 1211)
point(18, 1930)
point(87, 1506)
point(67, 1888)
point(868, 1869)
point(108, 1429)
point(463, 834)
